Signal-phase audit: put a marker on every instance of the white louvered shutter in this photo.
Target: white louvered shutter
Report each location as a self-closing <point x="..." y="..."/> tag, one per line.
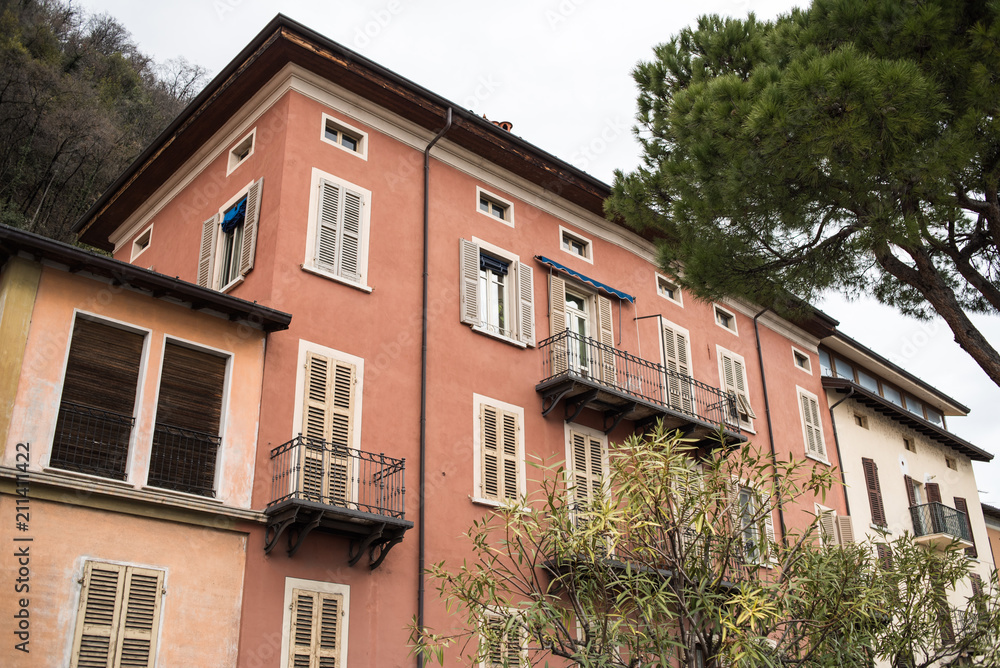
<point x="587" y="467"/>
<point x="675" y="347"/>
<point x="605" y="323"/>
<point x="558" y="351"/>
<point x="339" y="231"/>
<point x="827" y="523"/>
<point x="315" y="637"/>
<point x="845" y="529"/>
<point x="499" y="457"/>
<point x="526" y="302"/>
<point x="249" y="249"/>
<point x="812" y="426"/>
<point x="316" y="416"/>
<point x="733" y="379"/>
<point x="140" y="617"/>
<point x="469" y="286"/>
<point x="341" y="432"/>
<point x="207" y="252"/>
<point x="328" y="226"/>
<point x="350" y="247"/>
<point x="328" y="425"/>
<point x="769" y="539"/>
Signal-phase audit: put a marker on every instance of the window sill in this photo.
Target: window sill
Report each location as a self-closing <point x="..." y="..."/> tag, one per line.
<point x="499" y="337"/>
<point x="161" y="491"/>
<point x="479" y="501"/>
<point x="821" y="460"/>
<point x="232" y="284"/>
<point x="333" y="277"/>
<point x="884" y="530"/>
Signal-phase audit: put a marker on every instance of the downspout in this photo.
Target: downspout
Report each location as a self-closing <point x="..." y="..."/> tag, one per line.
<point x="836" y="443"/>
<point x="423" y="380"/>
<point x="770" y="430"/>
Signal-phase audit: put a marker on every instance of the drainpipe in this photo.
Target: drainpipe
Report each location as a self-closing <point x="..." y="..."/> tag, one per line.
<point x="423" y="380"/>
<point x="770" y="430"/>
<point x="836" y="442"/>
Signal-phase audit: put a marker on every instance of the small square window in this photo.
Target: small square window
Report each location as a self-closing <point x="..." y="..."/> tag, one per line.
<point x="668" y="289"/>
<point x="495" y="209"/>
<point x="577" y="245"/>
<point x="494" y="206"/>
<point x="141" y="243"/>
<point x="861" y="421"/>
<point x="725" y="319"/>
<point x="801" y="360"/>
<point x="909" y="444"/>
<point x="950" y="463"/>
<point x="344" y="136"/>
<point x="242" y="151"/>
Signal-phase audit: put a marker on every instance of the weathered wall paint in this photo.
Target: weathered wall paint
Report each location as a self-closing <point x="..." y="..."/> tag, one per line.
<point x="18" y="285"/>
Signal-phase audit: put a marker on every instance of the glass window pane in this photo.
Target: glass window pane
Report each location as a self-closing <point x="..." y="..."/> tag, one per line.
<point x="484" y="204"/>
<point x="331" y="134"/>
<point x="935" y="417"/>
<point x="914" y="406"/>
<point x="824" y="363"/>
<point x="892" y="394"/>
<point x="349" y="142"/>
<point x="844" y="370"/>
<point x="867" y="382"/>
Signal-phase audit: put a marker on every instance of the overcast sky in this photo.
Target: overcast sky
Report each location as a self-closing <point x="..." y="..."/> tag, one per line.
<point x="559" y="70"/>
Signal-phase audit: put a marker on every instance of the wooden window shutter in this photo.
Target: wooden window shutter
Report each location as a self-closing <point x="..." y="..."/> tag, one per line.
<point x="874" y="492"/>
<point x="911" y="495"/>
<point x="206" y="255"/>
<point x="827" y="525"/>
<point x="768" y="543"/>
<point x="960" y="504"/>
<point x="588" y="466"/>
<point x="328" y="226"/>
<point x="338" y="231"/>
<point x="119" y="616"/>
<point x="102" y="374"/>
<point x="315" y="637"/>
<point x="605" y="322"/>
<point x="884" y="556"/>
<point x="557" y="325"/>
<point x="328" y="426"/>
<point x="813" y="426"/>
<point x="845" y="529"/>
<point x="933" y="492"/>
<point x="469" y="287"/>
<point x="526" y="302"/>
<point x="676" y="358"/>
<point x="503" y="648"/>
<point x="350" y="248"/>
<point x="735" y="385"/>
<point x="250" y="223"/>
<point x="499" y="457"/>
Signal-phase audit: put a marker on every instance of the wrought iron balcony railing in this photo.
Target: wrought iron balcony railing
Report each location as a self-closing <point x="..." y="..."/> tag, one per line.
<point x="183" y="460"/>
<point x="307" y="469"/>
<point x="91" y="440"/>
<point x="572" y="355"/>
<point x="937" y="518"/>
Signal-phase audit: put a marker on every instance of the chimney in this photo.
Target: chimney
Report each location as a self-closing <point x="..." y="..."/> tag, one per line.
<point x="503" y="125"/>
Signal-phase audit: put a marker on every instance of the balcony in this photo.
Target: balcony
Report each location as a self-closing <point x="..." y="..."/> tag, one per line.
<point x="940" y="527"/>
<point x="183" y="460"/>
<point x="580" y="373"/>
<point x="91" y="440"/>
<point x="337" y="490"/>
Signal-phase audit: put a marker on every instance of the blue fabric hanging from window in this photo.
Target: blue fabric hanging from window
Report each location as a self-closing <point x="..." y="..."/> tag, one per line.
<point x="235" y="216"/>
<point x="492" y="264"/>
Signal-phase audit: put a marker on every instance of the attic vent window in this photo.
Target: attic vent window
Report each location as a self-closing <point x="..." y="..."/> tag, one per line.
<point x="344" y="136"/>
<point x="242" y="151"/>
<point x="141" y="243"/>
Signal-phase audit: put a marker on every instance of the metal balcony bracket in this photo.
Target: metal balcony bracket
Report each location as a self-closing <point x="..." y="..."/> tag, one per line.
<point x="303" y="531"/>
<point x="553" y="399"/>
<point x="618" y="415"/>
<point x="358" y="547"/>
<point x="382" y="550"/>
<point x="582" y="401"/>
<point x="275" y="528"/>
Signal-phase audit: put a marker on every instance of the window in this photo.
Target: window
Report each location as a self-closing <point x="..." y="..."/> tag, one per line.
<point x="934" y="417"/>
<point x="141" y="242"/>
<point x="502" y="644"/>
<point x="825" y="363"/>
<point x="587" y="463"/>
<point x="315" y="625"/>
<point x="344" y="137"/>
<point x="498" y="447"/>
<point x="496" y="207"/>
<point x="578" y="315"/>
<point x="892" y="394"/>
<point x="867" y="382"/>
<point x="725" y="319"/>
<point x="575" y="244"/>
<point x="734" y="382"/>
<point x="834" y="529"/>
<point x="914" y="406"/>
<point x="909" y="444"/>
<point x="801" y="360"/>
<point x="752" y="518"/>
<point x="242" y="151"/>
<point x="337" y="241"/>
<point x="676" y="361"/>
<point x="119" y="616"/>
<point x="668" y="289"/>
<point x="861" y="421"/>
<point x="844" y="369"/>
<point x="874" y="492"/>
<point x="497" y="293"/>
<point x="189" y="412"/>
<point x="97" y="407"/>
<point x="229" y="240"/>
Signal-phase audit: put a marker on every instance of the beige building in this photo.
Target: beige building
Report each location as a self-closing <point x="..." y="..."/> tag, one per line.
<point x="992" y="517"/>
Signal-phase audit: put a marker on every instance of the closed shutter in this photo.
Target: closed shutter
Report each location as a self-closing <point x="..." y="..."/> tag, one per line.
<point x="469" y="286"/>
<point x="884" y="556"/>
<point x="338" y="231"/>
<point x="874" y="492"/>
<point x="587" y="466"/>
<point x="734" y="382"/>
<point x="605" y="323"/>
<point x="249" y="248"/>
<point x="526" y="301"/>
<point x="119" y="617"/>
<point x="328" y="426"/>
<point x="315" y="640"/>
<point x="910" y="493"/>
<point x="845" y="529"/>
<point x="206" y="254"/>
<point x="498" y="442"/>
<point x="827" y="525"/>
<point x="503" y="650"/>
<point x="675" y="355"/>
<point x="933" y="492"/>
<point x="812" y="426"/>
<point x="767" y="548"/>
<point x="94" y="427"/>
<point x="192" y="383"/>
<point x="557" y="325"/>
<point x="960" y="504"/>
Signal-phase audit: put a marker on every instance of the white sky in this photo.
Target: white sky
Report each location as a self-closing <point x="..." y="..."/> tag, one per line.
<point x="559" y="70"/>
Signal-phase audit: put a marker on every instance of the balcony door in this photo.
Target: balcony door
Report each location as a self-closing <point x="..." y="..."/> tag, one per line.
<point x="578" y="323"/>
<point x="583" y="337"/>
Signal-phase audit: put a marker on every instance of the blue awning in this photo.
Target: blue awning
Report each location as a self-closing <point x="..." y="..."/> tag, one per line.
<point x="575" y="274"/>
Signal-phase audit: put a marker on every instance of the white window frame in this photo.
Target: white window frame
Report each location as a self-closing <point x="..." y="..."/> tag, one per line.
<point x="234" y="159"/>
<point x="309" y="264"/>
<point x="505" y="204"/>
<point x="219" y="247"/>
<point x="679" y="299"/>
<point x="588" y="245"/>
<point x="796" y="352"/>
<point x="142" y="242"/>
<point x="322" y="588"/>
<point x="513" y="295"/>
<point x="825" y="457"/>
<point x="360" y="136"/>
<point x="767" y="520"/>
<point x="720" y="352"/>
<point x="716" y="310"/>
<point x="478" y="401"/>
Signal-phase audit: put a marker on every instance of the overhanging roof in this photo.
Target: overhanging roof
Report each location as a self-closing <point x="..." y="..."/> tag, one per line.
<point x="900" y="414"/>
<point x="14" y="242"/>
